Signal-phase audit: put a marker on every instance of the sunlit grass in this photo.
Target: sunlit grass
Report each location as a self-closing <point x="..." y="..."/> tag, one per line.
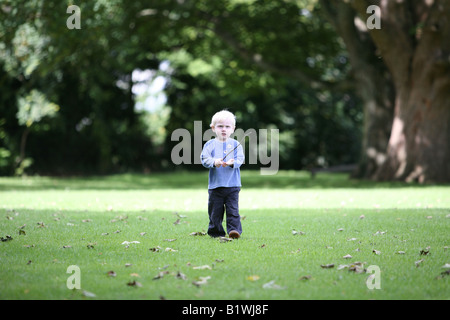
<point x="84" y="222"/>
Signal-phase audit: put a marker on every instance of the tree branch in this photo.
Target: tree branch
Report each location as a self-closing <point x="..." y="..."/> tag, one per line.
<point x="394" y="40"/>
<point x="259" y="61"/>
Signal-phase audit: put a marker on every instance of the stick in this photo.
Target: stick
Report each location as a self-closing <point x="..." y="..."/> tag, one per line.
<point x="239" y="143"/>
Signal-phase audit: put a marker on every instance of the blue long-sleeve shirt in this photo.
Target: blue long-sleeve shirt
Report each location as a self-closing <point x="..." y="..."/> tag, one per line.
<point x="229" y="176"/>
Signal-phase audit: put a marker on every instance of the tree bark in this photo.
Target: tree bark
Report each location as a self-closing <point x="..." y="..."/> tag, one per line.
<point x="373" y="84"/>
<point x="419" y="62"/>
<point x="23" y="144"/>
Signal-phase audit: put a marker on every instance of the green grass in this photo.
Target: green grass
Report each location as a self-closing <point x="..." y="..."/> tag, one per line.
<point x="103" y="212"/>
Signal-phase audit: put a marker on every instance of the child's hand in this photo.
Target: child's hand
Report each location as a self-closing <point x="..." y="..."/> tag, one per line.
<point x="228" y="163"/>
<point x="218" y="163"/>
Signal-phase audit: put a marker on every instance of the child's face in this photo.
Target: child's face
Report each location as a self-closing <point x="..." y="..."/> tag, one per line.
<point x="223" y="129"/>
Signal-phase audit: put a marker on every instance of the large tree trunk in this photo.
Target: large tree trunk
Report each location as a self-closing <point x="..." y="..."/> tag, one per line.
<point x="373" y="85"/>
<point x="419" y="146"/>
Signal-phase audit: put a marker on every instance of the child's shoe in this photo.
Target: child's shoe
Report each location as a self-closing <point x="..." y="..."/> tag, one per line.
<point x="234" y="234"/>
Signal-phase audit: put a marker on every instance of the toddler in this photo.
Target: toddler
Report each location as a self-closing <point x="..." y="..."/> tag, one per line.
<point x="224" y="181"/>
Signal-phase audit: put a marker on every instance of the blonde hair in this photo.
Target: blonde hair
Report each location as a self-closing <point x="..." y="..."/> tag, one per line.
<point x="223" y="115"/>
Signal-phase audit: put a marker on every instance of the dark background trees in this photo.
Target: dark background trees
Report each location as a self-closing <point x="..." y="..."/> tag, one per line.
<point x="304" y="67"/>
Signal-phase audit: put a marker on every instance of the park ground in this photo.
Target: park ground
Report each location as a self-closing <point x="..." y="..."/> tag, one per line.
<point x="142" y="237"/>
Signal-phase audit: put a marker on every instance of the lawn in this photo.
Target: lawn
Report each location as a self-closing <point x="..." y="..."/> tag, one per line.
<point x="302" y="238"/>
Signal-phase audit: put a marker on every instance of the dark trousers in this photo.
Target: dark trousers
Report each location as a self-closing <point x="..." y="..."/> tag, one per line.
<point x="221" y="199"/>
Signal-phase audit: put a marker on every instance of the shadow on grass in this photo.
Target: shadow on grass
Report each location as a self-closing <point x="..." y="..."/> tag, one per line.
<point x="195" y="180"/>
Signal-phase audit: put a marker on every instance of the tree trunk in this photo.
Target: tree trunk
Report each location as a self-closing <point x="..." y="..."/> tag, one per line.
<point x="23" y="144"/>
<point x="419" y="62"/>
<point x="373" y="85"/>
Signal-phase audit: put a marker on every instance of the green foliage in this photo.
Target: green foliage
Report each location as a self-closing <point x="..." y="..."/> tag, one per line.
<point x="33" y="107"/>
<point x="26" y="52"/>
<point x="249" y="56"/>
<point x="4" y="157"/>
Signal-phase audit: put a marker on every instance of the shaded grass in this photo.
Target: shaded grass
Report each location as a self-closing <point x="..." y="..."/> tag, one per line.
<point x="196" y="180"/>
<point x="411" y="219"/>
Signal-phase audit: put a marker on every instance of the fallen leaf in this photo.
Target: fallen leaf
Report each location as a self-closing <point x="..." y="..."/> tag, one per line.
<point x="134" y="283"/>
<point x="347" y="256"/>
<point x="376" y="251"/>
<point x="197" y="234"/>
<point x="130" y="242"/>
<point x="272" y="285"/>
<point x="134" y="275"/>
<point x="425" y="251"/>
<point x="225" y="239"/>
<point x="443" y="274"/>
<point x="327" y="266"/>
<point x="91" y="245"/>
<point x="253" y="278"/>
<point x="204" y="267"/>
<point x="155" y="249"/>
<point x="111" y="273"/>
<point x="202" y="281"/>
<point x="170" y="240"/>
<point x="446" y="266"/>
<point x="295" y="232"/>
<point x="7" y="238"/>
<point x="181" y="276"/>
<point x="160" y="275"/>
<point x="418" y="262"/>
<point x="88" y="294"/>
<point x="171" y="250"/>
<point x="400" y="252"/>
<point x="357" y="267"/>
<point x="305" y="277"/>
